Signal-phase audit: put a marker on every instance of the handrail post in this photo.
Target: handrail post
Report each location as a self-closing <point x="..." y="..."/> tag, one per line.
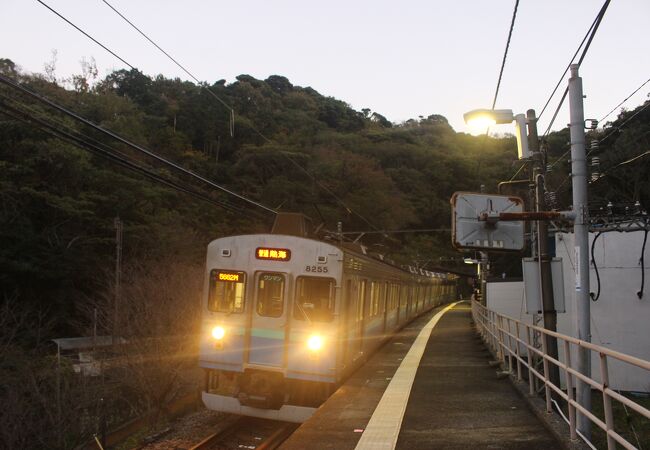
<point x="531" y="376"/>
<point x="569" y="391"/>
<point x="607" y="402"/>
<point x="518" y="354"/>
<point x="501" y="339"/>
<point x="547" y="389"/>
<point x="510" y="352"/>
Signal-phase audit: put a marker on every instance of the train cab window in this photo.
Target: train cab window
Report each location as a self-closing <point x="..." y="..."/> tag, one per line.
<point x="314" y="299"/>
<point x="226" y="293"/>
<point x="270" y="295"/>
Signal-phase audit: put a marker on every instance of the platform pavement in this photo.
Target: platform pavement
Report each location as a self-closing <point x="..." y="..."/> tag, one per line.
<point x="456" y="399"/>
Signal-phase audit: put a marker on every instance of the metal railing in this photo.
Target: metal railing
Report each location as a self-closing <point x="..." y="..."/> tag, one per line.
<point x="513" y="342"/>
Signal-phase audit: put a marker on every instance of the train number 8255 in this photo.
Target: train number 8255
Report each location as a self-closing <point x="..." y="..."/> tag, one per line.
<point x="316" y="269"/>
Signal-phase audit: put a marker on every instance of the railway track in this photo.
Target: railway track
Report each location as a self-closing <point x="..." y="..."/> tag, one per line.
<point x="247" y="433"/>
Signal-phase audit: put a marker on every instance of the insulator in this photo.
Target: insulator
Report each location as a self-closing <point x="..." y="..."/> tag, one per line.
<point x="610" y="208"/>
<point x="549" y="168"/>
<point x="595" y="145"/>
<point x="595" y="176"/>
<point x="637" y="207"/>
<point x="595" y="161"/>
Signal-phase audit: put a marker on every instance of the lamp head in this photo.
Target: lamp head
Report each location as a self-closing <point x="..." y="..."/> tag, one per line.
<point x="487" y="117"/>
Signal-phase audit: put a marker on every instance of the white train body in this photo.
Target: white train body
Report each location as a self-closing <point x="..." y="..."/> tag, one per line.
<point x="286" y="319"/>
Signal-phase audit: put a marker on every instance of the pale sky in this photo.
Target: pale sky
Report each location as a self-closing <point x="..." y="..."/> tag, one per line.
<point x="400" y="59"/>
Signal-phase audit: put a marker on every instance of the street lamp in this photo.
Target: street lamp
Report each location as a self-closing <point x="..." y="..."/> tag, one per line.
<point x="488" y="117"/>
<point x="528" y="148"/>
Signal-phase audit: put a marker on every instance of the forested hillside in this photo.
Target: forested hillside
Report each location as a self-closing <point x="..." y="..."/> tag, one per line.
<point x="282" y="146"/>
<point x="289" y="148"/>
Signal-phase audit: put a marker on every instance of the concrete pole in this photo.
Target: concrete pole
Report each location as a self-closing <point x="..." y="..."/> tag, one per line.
<point x="543" y="258"/>
<point x="581" y="233"/>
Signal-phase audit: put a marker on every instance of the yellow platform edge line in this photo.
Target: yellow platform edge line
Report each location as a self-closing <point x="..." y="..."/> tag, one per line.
<point x="384" y="426"/>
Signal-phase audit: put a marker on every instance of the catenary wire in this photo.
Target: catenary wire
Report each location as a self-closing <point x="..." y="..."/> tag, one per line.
<point x="52" y="104"/>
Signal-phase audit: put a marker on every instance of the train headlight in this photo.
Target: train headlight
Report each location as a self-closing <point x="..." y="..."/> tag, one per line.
<point x="218" y="333"/>
<point x="314" y="343"/>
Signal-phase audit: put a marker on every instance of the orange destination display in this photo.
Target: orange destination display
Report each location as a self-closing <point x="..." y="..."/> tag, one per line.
<point x="229" y="276"/>
<point x="273" y="254"/>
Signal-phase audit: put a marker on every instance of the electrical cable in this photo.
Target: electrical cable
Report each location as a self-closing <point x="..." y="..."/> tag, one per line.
<point x="595" y="297"/>
<point x="230" y="108"/>
<point x="559" y="82"/>
<point x="52" y="104"/>
<point x="618" y="128"/>
<point x="642" y="262"/>
<point x="593" y="29"/>
<point x="348" y="209"/>
<point x="87" y="143"/>
<point x="86" y="34"/>
<point x="505" y="53"/>
<point x="232" y="112"/>
<point x="517" y="172"/>
<point x="624" y="100"/>
<point x="496" y="91"/>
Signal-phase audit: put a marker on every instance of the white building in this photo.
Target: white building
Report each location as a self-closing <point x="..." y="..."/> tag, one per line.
<point x="620" y="320"/>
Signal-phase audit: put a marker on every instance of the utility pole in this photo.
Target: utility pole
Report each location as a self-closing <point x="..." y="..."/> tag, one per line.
<point x="581" y="235"/>
<point x="118" y="276"/>
<point x="545" y="273"/>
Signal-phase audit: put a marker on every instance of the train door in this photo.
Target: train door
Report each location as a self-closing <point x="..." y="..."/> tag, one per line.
<point x="397" y="303"/>
<point x="385" y="296"/>
<point x="269" y="320"/>
<point x="360" y="315"/>
<point x="349" y="330"/>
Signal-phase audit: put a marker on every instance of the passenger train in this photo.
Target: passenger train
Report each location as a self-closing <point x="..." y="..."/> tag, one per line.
<point x="287" y="318"/>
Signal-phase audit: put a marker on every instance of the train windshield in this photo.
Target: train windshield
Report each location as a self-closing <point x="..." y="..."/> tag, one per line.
<point x="226" y="291"/>
<point x="314" y="299"/>
<point x="270" y="295"/>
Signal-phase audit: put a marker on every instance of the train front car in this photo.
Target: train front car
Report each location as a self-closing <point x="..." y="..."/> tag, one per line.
<point x="270" y="320"/>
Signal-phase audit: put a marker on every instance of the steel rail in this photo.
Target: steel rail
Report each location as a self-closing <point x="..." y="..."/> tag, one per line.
<point x="232" y="425"/>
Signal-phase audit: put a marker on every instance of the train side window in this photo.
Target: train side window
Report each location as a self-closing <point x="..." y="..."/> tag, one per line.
<point x="226" y="293"/>
<point x="270" y="295"/>
<point x="314" y="299"/>
<point x="362" y="300"/>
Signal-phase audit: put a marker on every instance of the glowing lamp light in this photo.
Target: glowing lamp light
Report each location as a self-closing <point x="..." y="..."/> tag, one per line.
<point x="315" y="343"/>
<point x="481" y="122"/>
<point x="487" y="117"/>
<point x="218" y="333"/>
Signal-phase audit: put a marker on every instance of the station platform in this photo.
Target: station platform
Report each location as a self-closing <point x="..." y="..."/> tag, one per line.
<point x="428" y="387"/>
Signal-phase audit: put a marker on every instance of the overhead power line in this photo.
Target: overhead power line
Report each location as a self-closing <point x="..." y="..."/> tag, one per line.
<point x="86" y="34"/>
<point x="64" y="133"/>
<point x="505" y="54"/>
<point x="624" y="100"/>
<point x="173" y="165"/>
<point x="618" y="127"/>
<point x="168" y="55"/>
<point x="259" y="133"/>
<point x="496" y="91"/>
<point x="591" y="33"/>
<point x="232" y="111"/>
